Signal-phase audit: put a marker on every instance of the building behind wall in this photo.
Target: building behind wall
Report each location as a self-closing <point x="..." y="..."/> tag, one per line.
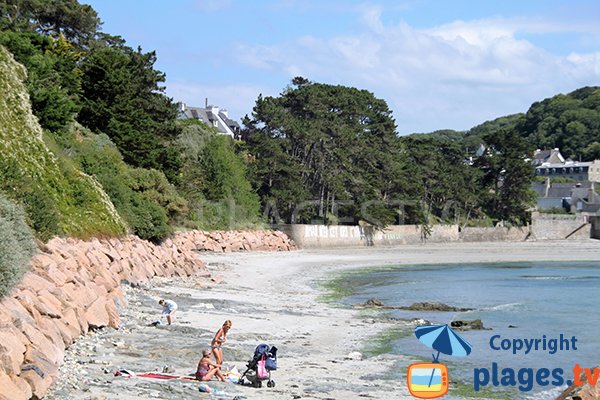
<point x="551" y="164"/>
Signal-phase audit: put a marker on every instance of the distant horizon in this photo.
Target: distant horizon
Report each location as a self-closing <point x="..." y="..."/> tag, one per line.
<point x="439" y="66"/>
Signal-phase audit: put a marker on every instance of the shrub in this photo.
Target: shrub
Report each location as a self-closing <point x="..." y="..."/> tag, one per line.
<point x="149" y="220"/>
<point x="16" y="245"/>
<point x="144" y="198"/>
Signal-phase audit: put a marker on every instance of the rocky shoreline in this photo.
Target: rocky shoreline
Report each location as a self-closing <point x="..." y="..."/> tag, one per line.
<point x="305" y="370"/>
<point x="73" y="287"/>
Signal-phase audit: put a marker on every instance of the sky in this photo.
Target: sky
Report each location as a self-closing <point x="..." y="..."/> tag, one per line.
<point x="439" y="64"/>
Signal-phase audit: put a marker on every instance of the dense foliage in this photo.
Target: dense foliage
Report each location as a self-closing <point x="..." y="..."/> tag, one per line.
<point x="58" y="198"/>
<point x="570" y="122"/>
<point x="78" y="23"/>
<point x="53" y="77"/>
<point x="213" y="179"/>
<point x="16" y="244"/>
<point x="507" y="175"/>
<point x="123" y="98"/>
<point x="445" y="185"/>
<point x="324" y="152"/>
<point x="145" y="199"/>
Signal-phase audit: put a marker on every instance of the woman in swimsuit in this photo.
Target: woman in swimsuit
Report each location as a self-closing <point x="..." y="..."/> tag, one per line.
<point x="218" y="340"/>
<point x="207" y="369"/>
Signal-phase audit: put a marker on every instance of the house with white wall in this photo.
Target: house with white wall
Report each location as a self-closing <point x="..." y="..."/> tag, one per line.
<point x="212" y="116"/>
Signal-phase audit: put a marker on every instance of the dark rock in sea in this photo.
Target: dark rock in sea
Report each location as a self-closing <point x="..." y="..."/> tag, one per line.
<point x="433" y="306"/>
<point x="421" y="306"/>
<point x="468" y="325"/>
<point x="374" y="303"/>
<point x="512" y="326"/>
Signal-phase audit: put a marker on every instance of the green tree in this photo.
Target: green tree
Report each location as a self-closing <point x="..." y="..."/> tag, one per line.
<point x="445" y="184"/>
<point x="570" y="122"/>
<point x="507" y="176"/>
<point x="53" y="78"/>
<point x="123" y="97"/>
<point x="327" y="145"/>
<point x="78" y="23"/>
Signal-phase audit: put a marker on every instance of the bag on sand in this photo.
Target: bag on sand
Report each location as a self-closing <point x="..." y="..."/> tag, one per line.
<point x="233" y="375"/>
<point x="261" y="370"/>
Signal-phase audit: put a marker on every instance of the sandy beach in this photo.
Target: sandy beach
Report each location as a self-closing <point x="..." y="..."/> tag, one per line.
<point x="273" y="298"/>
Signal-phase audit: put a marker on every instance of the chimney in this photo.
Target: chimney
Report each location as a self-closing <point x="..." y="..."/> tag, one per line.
<point x="181" y="107"/>
<point x="206" y="102"/>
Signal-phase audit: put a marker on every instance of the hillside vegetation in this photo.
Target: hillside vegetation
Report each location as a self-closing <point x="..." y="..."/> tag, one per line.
<point x="59" y="199"/>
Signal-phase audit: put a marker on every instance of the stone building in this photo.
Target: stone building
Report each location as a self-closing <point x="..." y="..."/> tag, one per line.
<point x="551" y="164"/>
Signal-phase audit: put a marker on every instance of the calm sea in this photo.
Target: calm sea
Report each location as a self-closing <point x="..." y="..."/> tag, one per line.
<point x="514" y="300"/>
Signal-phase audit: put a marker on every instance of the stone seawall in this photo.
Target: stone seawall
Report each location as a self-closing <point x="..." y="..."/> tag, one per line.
<point x="543" y="227"/>
<point x="495" y="234"/>
<point x="558" y="227"/>
<point x="74" y="286"/>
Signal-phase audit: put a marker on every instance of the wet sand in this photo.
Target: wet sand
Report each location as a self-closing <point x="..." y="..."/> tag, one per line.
<point x="272" y="298"/>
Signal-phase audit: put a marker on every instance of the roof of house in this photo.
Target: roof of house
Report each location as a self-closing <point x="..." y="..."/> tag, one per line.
<point x="547" y="156"/>
<point x="565" y="164"/>
<point x="561" y="190"/>
<point x="218" y="119"/>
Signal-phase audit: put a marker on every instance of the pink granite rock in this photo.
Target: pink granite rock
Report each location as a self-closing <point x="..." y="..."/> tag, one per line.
<point x="10" y="391"/>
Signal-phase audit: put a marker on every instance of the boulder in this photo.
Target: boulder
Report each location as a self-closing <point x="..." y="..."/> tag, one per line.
<point x="47" y="305"/>
<point x="96" y="314"/>
<point x="39" y="380"/>
<point x="71" y="322"/>
<point x="113" y="315"/>
<point x="70" y="265"/>
<point x="6" y="319"/>
<point x="22" y="385"/>
<point x="16" y="310"/>
<point x="51" y="331"/>
<point x="10" y="391"/>
<point x="584" y="392"/>
<point x="12" y="353"/>
<point x="468" y="325"/>
<point x="373" y="303"/>
<point x="35" y="282"/>
<point x="42" y="344"/>
<point x="67" y="333"/>
<point x="52" y="273"/>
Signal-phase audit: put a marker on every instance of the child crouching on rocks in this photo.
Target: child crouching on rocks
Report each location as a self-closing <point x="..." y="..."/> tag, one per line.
<point x="169" y="308"/>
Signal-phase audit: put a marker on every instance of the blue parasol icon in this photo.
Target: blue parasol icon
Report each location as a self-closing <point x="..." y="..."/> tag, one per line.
<point x="443" y="339"/>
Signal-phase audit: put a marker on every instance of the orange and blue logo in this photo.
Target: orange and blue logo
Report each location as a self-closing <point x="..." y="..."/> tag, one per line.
<point x="430" y="380"/>
<point x="427" y="380"/>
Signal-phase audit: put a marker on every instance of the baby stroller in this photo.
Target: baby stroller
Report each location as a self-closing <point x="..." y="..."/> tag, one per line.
<point x="263" y="362"/>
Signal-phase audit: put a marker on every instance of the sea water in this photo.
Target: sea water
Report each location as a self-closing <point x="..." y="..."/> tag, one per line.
<point x="534" y="300"/>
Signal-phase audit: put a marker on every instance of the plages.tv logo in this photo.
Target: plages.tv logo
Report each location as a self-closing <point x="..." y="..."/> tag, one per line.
<point x="430" y="380"/>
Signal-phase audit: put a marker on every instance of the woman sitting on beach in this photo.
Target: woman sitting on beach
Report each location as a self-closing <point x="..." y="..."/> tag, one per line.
<point x="207" y="369"/>
<point x="218" y="340"/>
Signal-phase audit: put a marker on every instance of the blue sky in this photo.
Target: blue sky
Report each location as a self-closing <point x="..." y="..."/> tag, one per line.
<point x="438" y="64"/>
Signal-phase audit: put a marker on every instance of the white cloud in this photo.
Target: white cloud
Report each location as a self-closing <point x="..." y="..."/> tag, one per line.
<point x="452" y="76"/>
